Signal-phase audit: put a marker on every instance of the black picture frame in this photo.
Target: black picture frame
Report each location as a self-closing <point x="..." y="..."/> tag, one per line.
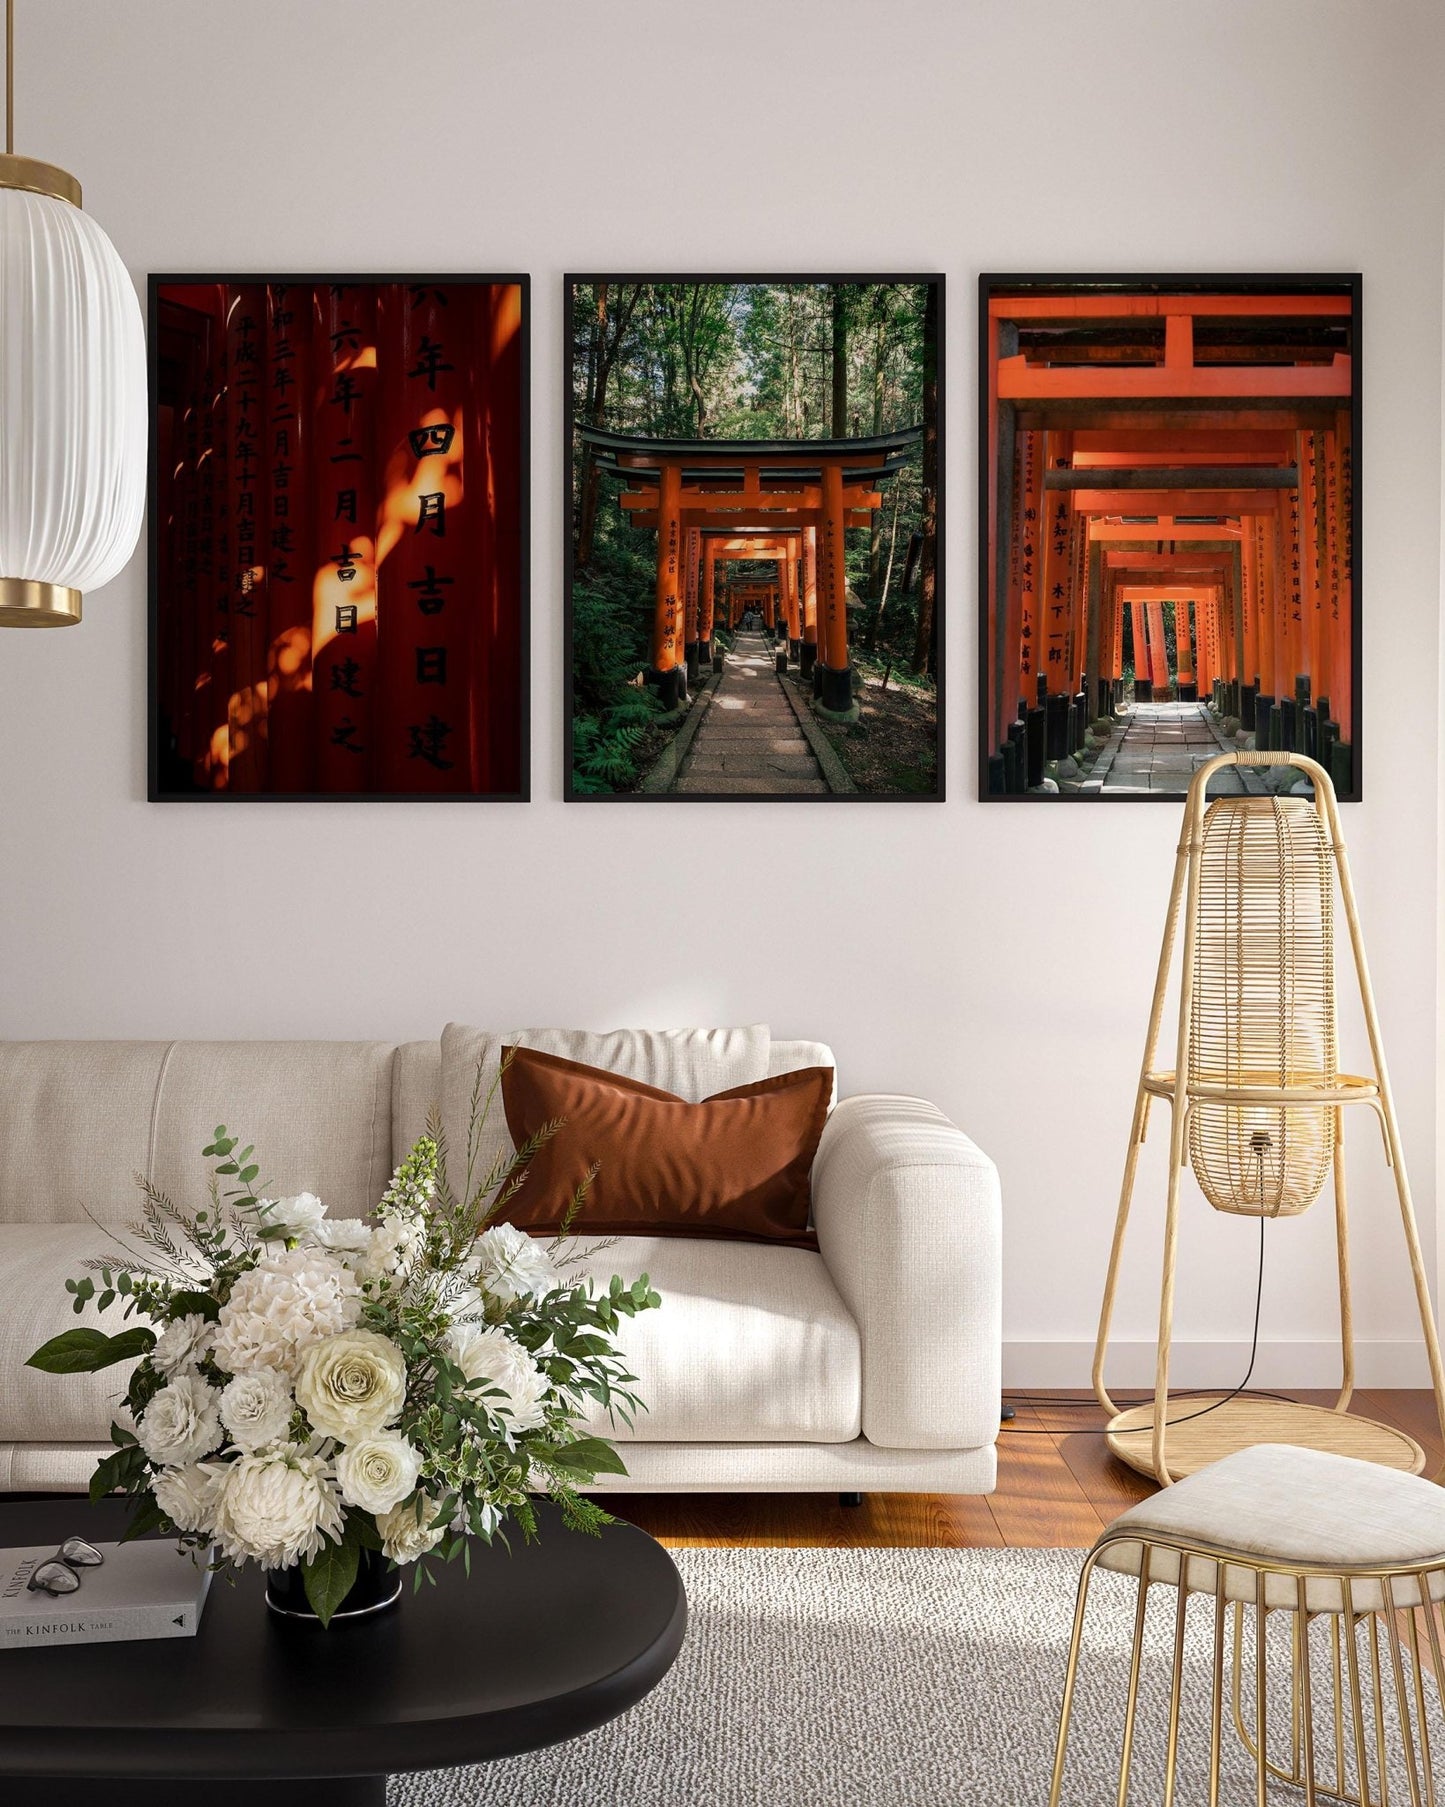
<point x="571" y="279"/>
<point x="156" y="282"/>
<point x="994" y="284"/>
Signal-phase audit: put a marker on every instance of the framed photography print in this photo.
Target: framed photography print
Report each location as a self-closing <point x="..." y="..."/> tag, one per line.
<point x="755" y="600"/>
<point x="338" y="538"/>
<point x="1169" y="508"/>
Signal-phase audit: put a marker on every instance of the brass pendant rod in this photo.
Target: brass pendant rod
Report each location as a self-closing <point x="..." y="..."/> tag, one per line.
<point x="9" y="78"/>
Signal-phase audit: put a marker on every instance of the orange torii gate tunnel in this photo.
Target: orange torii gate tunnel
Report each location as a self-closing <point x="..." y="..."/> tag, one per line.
<point x="1150" y="447"/>
<point x="799" y="497"/>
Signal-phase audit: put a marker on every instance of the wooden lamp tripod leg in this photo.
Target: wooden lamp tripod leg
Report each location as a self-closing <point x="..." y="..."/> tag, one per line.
<point x="1137" y="1132"/>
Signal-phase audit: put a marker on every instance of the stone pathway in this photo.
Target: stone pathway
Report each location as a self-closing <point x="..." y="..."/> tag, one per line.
<point x="1162" y="747"/>
<point x="749" y="743"/>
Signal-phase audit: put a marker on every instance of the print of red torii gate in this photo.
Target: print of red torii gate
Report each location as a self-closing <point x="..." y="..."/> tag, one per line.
<point x="816" y="488"/>
<point x="1144" y="423"/>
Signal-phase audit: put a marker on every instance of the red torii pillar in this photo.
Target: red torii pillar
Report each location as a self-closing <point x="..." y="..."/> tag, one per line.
<point x="833" y="680"/>
<point x="708" y="602"/>
<point x="666" y="674"/>
<point x="692" y="632"/>
<point x="808" y="650"/>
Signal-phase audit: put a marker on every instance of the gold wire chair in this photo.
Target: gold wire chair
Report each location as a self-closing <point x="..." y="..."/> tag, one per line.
<point x="1376" y="1625"/>
<point x="1256" y="1095"/>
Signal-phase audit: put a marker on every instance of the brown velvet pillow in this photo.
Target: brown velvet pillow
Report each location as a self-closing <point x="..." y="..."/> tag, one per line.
<point x="735" y="1166"/>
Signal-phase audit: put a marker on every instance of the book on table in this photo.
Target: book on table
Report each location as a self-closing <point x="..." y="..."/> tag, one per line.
<point x="141" y="1590"/>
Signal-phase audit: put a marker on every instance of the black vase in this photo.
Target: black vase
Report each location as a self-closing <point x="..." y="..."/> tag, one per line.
<point x="377" y="1586"/>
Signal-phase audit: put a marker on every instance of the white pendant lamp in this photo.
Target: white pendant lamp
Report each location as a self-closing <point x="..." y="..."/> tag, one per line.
<point x="72" y="392"/>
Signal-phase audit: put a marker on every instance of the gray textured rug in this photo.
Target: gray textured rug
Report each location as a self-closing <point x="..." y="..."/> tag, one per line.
<point x="882" y="1678"/>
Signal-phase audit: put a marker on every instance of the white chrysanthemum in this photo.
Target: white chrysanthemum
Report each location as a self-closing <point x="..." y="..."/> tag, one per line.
<point x="188" y="1495"/>
<point x="350" y="1386"/>
<point x="289" y="1300"/>
<point x="377" y="1473"/>
<point x="406" y="1531"/>
<point x="181" y="1424"/>
<point x="295" y="1216"/>
<point x="396" y="1245"/>
<point x="348" y="1238"/>
<point x="510" y="1264"/>
<point x="499" y="1360"/>
<point x="256" y="1408"/>
<point x="183" y="1344"/>
<point x="277" y="1508"/>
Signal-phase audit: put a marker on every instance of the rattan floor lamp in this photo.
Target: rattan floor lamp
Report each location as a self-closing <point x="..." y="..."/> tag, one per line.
<point x="1257" y="1099"/>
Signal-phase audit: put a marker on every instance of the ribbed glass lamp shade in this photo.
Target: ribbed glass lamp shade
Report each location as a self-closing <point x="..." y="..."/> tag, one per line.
<point x="72" y="410"/>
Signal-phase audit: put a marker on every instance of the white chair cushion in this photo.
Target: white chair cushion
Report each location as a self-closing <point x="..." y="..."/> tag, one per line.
<point x="752" y="1344"/>
<point x="1303" y="1508"/>
<point x="35" y="1262"/>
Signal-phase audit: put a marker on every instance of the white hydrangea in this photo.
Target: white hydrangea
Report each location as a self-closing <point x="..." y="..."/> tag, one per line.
<point x="289" y="1300"/>
<point x="183" y="1344"/>
<point x="490" y="1355"/>
<point x="256" y="1408"/>
<point x="277" y="1508"/>
<point x="182" y="1423"/>
<point x="377" y="1473"/>
<point x="188" y="1495"/>
<point x="511" y="1265"/>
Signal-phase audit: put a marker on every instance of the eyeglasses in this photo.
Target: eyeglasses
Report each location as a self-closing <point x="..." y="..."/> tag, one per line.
<point x="60" y="1573"/>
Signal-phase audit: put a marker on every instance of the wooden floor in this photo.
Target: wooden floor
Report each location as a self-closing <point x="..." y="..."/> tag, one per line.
<point x="1058" y="1487"/>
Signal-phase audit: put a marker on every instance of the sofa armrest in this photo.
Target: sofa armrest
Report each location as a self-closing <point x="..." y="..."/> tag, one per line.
<point x="908" y="1216"/>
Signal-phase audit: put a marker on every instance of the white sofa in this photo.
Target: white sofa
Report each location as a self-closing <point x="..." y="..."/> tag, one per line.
<point x="870" y="1365"/>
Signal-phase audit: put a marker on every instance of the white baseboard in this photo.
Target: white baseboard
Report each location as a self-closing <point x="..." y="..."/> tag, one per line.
<point x="1214" y="1364"/>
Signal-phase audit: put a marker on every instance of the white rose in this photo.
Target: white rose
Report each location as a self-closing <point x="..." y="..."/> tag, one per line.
<point x="277" y="1508"/>
<point x="256" y="1408"/>
<point x="500" y="1361"/>
<point x="291" y="1298"/>
<point x="188" y="1495"/>
<point x="348" y="1238"/>
<point x="183" y="1344"/>
<point x="293" y="1216"/>
<point x="351" y="1385"/>
<point x="182" y="1423"/>
<point x="377" y="1473"/>
<point x="510" y="1264"/>
<point x="406" y="1530"/>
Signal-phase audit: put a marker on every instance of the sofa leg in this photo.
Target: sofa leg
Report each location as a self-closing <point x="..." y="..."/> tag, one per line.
<point x="850" y="1499"/>
<point x="1006" y="1413"/>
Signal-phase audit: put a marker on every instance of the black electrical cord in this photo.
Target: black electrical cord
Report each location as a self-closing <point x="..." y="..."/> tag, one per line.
<point x="1069" y="1430"/>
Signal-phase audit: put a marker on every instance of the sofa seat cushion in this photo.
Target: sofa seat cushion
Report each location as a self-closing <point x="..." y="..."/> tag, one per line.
<point x="35" y="1262"/>
<point x="752" y="1343"/>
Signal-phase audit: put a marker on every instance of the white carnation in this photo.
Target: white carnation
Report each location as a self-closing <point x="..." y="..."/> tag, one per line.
<point x="499" y="1360"/>
<point x="277" y="1508"/>
<point x="290" y="1299"/>
<point x="294" y="1216"/>
<point x="348" y="1238"/>
<point x="183" y="1344"/>
<point x="406" y="1530"/>
<point x="377" y="1473"/>
<point x="510" y="1264"/>
<point x="349" y="1386"/>
<point x="188" y="1495"/>
<point x="256" y="1408"/>
<point x="182" y="1423"/>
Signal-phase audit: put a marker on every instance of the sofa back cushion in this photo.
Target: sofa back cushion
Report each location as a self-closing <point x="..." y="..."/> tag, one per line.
<point x="79" y="1119"/>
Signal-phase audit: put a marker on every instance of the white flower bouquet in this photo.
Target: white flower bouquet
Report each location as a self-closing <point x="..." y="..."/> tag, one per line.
<point x="310" y="1388"/>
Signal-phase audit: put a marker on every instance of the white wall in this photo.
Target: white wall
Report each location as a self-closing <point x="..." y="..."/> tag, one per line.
<point x="997" y="958"/>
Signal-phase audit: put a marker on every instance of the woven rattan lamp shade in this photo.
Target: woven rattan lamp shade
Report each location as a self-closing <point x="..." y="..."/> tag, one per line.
<point x="1263" y="1013"/>
<point x="1256" y="1098"/>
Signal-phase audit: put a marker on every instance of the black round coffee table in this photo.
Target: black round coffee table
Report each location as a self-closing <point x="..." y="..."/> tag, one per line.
<point x="537" y="1646"/>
